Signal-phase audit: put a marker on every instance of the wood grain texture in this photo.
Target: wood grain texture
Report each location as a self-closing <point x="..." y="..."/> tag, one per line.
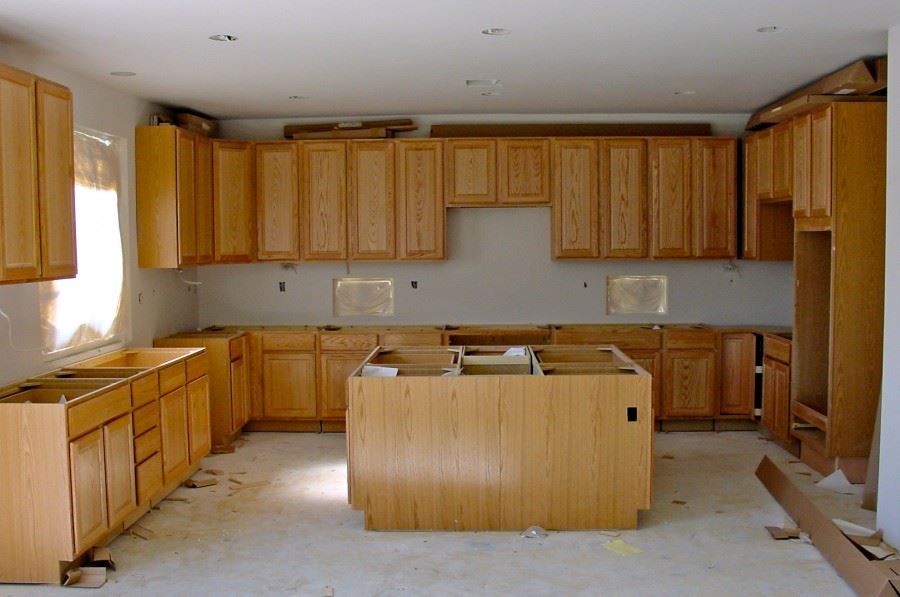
<point x="240" y="394"/>
<point x="199" y="442"/>
<point x="764" y="164"/>
<point x="203" y="196"/>
<point x="782" y="161"/>
<point x="98" y="409"/>
<point x="289" y="386"/>
<point x="523" y="171"/>
<point x="750" y="239"/>
<point x="234" y="222"/>
<point x="420" y="202"/>
<point x="20" y="250"/>
<point x="690" y="384"/>
<point x="334" y="369"/>
<point x="470" y="172"/>
<point x="373" y="209"/>
<point x="89" y="505"/>
<point x="812" y="319"/>
<point x="56" y="185"/>
<point x="714" y="198"/>
<point x="801" y="145"/>
<point x="118" y="448"/>
<point x="624" y="208"/>
<point x="575" y="229"/>
<point x="174" y="428"/>
<point x="277" y="202"/>
<point x="670" y="197"/>
<point x="185" y="177"/>
<point x="820" y="163"/>
<point x="157" y="196"/>
<point x="323" y="192"/>
<point x="738" y="374"/>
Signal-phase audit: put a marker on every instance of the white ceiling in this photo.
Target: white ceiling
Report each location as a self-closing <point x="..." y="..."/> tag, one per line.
<point x="413" y="56"/>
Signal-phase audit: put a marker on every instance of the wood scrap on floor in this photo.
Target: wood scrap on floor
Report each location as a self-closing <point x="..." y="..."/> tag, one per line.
<point x="782" y="533"/>
<point x="196" y="483"/>
<point x="214" y="471"/>
<point x="176" y="498"/>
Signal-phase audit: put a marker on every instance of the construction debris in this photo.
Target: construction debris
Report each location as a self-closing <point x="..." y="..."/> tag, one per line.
<point x="214" y="471"/>
<point x="534" y="532"/>
<point x="621" y="547"/>
<point x="195" y="483"/>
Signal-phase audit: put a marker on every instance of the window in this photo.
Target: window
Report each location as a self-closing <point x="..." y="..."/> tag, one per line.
<point x="90" y="310"/>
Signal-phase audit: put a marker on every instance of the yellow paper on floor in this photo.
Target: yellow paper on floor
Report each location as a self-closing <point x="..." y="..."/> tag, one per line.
<point x="620" y="547"/>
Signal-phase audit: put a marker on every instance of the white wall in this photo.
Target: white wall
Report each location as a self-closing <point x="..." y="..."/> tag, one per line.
<point x="499" y="268"/>
<point x="889" y="475"/>
<point x="166" y="304"/>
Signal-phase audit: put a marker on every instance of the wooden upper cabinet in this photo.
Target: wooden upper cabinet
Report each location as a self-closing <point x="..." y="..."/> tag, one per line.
<point x="203" y="199"/>
<point x="235" y="213"/>
<point x="623" y="198"/>
<point x="372" y="200"/>
<point x="670" y="197"/>
<point x="749" y="246"/>
<point x="764" y="147"/>
<point x="277" y="201"/>
<point x="56" y="186"/>
<point x="782" y="161"/>
<point x="420" y="202"/>
<point x="575" y="229"/>
<point x="802" y="149"/>
<point x="20" y="257"/>
<point x="187" y="205"/>
<point x="523" y="171"/>
<point x="470" y="171"/>
<point x="820" y="163"/>
<point x="714" y="198"/>
<point x="323" y="184"/>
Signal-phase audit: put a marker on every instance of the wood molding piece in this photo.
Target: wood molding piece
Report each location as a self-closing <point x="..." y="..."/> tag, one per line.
<point x="578" y="129"/>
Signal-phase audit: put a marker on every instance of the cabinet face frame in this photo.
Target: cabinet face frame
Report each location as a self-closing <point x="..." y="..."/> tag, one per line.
<point x="623" y="198"/>
<point x="420" y="202"/>
<point x="523" y="171"/>
<point x="575" y="231"/>
<point x="470" y="172"/>
<point x="372" y="199"/>
<point x="323" y="200"/>
<point x="277" y="201"/>
<point x="750" y="242"/>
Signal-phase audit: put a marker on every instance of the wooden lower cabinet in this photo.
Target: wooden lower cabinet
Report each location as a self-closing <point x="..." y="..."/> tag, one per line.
<point x="89" y="507"/>
<point x="738" y="366"/>
<point x="240" y="395"/>
<point x="651" y="360"/>
<point x="118" y="447"/>
<point x="174" y="428"/>
<point x="777" y="398"/>
<point x="198" y="418"/>
<point x="334" y="369"/>
<point x="689" y="388"/>
<point x="289" y="385"/>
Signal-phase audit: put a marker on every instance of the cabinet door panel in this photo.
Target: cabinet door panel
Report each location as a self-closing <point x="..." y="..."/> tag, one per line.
<point x="420" y="200"/>
<point x="174" y="429"/>
<point x="289" y="386"/>
<point x="88" y="489"/>
<point x="802" y="148"/>
<point x="764" y="164"/>
<point x="187" y="205"/>
<point x="623" y="197"/>
<point x="323" y="183"/>
<point x="782" y="160"/>
<point x="750" y="247"/>
<point x="235" y="214"/>
<point x="277" y="202"/>
<point x="670" y="197"/>
<point x="199" y="441"/>
<point x="470" y="173"/>
<point x="523" y="171"/>
<point x="782" y="387"/>
<point x="575" y="202"/>
<point x="372" y="205"/>
<point x="689" y="387"/>
<point x="19" y="237"/>
<point x="203" y="199"/>
<point x="714" y="201"/>
<point x="240" y="396"/>
<point x="652" y="362"/>
<point x="738" y="374"/>
<point x="769" y="394"/>
<point x="334" y="369"/>
<point x="820" y="164"/>
<point x="120" y="487"/>
<point x="56" y="167"/>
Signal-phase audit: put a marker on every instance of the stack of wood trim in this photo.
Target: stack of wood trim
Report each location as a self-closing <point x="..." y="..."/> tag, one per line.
<point x="368" y="129"/>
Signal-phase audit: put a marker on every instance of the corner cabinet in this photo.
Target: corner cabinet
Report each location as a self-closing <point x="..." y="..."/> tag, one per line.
<point x="420" y="203"/>
<point x="37" y="180"/>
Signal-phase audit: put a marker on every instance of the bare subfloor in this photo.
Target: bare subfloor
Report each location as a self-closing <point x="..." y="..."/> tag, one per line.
<point x="297" y="535"/>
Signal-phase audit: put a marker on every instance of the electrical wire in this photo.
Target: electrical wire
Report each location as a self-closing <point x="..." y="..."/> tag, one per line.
<point x="10" y="333"/>
<point x="188" y="282"/>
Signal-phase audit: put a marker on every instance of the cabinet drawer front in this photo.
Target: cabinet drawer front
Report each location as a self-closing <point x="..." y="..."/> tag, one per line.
<point x="99" y="410"/>
<point x="171" y="378"/>
<point x="149" y="477"/>
<point x="348" y="341"/>
<point x="146" y="417"/>
<point x="197" y="366"/>
<point x="777" y="348"/>
<point x="288" y="341"/>
<point x="146" y="445"/>
<point x="144" y="390"/>
<point x="689" y="339"/>
<point x="236" y="348"/>
<point x="412" y="339"/>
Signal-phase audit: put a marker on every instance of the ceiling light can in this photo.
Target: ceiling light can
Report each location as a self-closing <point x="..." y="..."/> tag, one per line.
<point x="770" y="29"/>
<point x="122" y="73"/>
<point x="495" y="31"/>
<point x="223" y="37"/>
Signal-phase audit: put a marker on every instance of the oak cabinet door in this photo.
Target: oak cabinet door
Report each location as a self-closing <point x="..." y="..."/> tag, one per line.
<point x="89" y="506"/>
<point x="277" y="202"/>
<point x="623" y="197"/>
<point x="203" y="199"/>
<point x="575" y="206"/>
<point x="782" y="161"/>
<point x="769" y="394"/>
<point x="782" y="390"/>
<point x="420" y="200"/>
<point x="764" y="162"/>
<point x="240" y="394"/>
<point x="334" y="369"/>
<point x="199" y="440"/>
<point x="738" y="374"/>
<point x="372" y="200"/>
<point x="173" y="418"/>
<point x="820" y="163"/>
<point x="523" y="171"/>
<point x="651" y="361"/>
<point x="714" y="198"/>
<point x="323" y="184"/>
<point x="802" y="149"/>
<point x="56" y="185"/>
<point x="689" y="386"/>
<point x="470" y="171"/>
<point x="118" y="444"/>
<point x="20" y="250"/>
<point x="234" y="211"/>
<point x="289" y="386"/>
<point x="750" y="245"/>
<point x="670" y="197"/>
<point x="187" y="204"/>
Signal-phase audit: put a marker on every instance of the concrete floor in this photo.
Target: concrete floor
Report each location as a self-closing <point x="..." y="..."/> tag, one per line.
<point x="299" y="536"/>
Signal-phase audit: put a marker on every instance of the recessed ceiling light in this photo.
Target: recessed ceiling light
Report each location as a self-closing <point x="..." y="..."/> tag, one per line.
<point x="297" y="97"/>
<point x="684" y="92"/>
<point x="122" y="73"/>
<point x="482" y="82"/>
<point x="495" y="31"/>
<point x="223" y="37"/>
<point x="490" y="93"/>
<point x="770" y="29"/>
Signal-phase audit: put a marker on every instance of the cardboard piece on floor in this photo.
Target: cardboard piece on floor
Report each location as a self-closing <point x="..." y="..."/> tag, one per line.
<point x="621" y="547"/>
<point x="87" y="577"/>
<point x="780" y="534"/>
<point x="869" y="541"/>
<point x="102" y="556"/>
<point x="870" y="491"/>
<point x="838" y="483"/>
<point x="214" y="471"/>
<point x="863" y="576"/>
<point x="195" y="483"/>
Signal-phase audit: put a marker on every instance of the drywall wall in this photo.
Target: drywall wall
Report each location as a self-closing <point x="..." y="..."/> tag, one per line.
<point x="499" y="268"/>
<point x="889" y="475"/>
<point x="166" y="305"/>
